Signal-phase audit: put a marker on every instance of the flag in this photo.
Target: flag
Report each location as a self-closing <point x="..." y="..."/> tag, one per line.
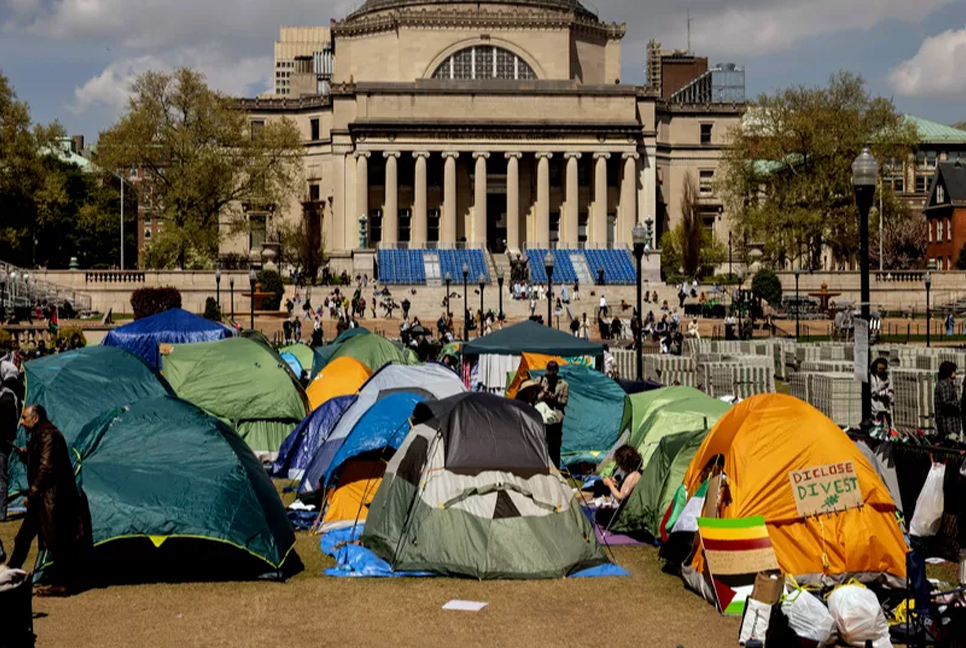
<point x="735" y="551"/>
<point x="53" y="325"/>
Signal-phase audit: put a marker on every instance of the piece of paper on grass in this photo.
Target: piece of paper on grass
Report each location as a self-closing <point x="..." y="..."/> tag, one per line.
<point x="465" y="606"/>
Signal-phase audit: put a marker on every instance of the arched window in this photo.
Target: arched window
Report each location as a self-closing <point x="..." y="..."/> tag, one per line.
<point x="485" y="62"/>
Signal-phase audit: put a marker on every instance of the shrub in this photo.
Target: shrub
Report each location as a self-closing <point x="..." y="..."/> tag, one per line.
<point x="271" y="282"/>
<point x="151" y="301"/>
<point x="71" y="337"/>
<point x="766" y="285"/>
<point x="6" y="340"/>
<point x="725" y="279"/>
<point x="212" y="311"/>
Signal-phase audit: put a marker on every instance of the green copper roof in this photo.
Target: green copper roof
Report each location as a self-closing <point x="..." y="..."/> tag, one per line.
<point x="934" y="133"/>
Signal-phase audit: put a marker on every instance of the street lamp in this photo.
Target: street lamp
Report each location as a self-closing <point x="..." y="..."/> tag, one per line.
<point x="251" y="281"/>
<point x="466" y="306"/>
<point x="218" y="285"/>
<point x="482" y="281"/>
<point x="231" y="283"/>
<point x="928" y="311"/>
<point x="448" y="279"/>
<point x="499" y="282"/>
<point x="639" y="236"/>
<point x="798" y="307"/>
<point x="548" y="262"/>
<point x="3" y="295"/>
<point x="865" y="171"/>
<point x="729" y="256"/>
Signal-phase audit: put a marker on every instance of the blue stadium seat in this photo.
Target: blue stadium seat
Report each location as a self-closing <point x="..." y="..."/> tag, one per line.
<point x="618" y="266"/>
<point x="563" y="268"/>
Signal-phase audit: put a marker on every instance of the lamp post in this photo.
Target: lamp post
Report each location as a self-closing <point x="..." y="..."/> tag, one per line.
<point x="639" y="236"/>
<point x="3" y="295"/>
<point x="798" y="307"/>
<point x="251" y="281"/>
<point x="548" y="262"/>
<point x="499" y="282"/>
<point x="231" y="284"/>
<point x="482" y="282"/>
<point x="448" y="279"/>
<point x="928" y="311"/>
<point x="729" y="255"/>
<point x="466" y="306"/>
<point x="218" y="286"/>
<point x="865" y="171"/>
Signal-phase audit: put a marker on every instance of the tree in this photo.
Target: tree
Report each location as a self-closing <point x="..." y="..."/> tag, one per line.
<point x="690" y="247"/>
<point x="203" y="159"/>
<point x="904" y="236"/>
<point x="766" y="285"/>
<point x="303" y="246"/>
<point x="786" y="177"/>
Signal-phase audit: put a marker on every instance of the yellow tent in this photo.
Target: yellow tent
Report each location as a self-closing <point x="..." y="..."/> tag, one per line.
<point x="759" y="444"/>
<point x="341" y="377"/>
<point x="530" y="362"/>
<point x="348" y="502"/>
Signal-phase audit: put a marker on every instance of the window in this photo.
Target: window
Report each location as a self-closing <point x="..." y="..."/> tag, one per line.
<point x="257" y="231"/>
<point x="706" y="183"/>
<point x="258" y="127"/>
<point x="375" y="226"/>
<point x="134" y="173"/>
<point x="147" y="233"/>
<point x="940" y="194"/>
<point x="484" y="62"/>
<point x="932" y="226"/>
<point x="949" y="230"/>
<point x="921" y="183"/>
<point x="432" y="226"/>
<point x="313" y="192"/>
<point x="898" y="184"/>
<point x="706" y="133"/>
<point x="314" y="127"/>
<point x="931" y="159"/>
<point x="405" y="225"/>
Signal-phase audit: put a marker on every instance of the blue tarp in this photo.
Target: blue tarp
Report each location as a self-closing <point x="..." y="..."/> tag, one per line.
<point x="176" y="326"/>
<point x="292" y="362"/>
<point x="355" y="561"/>
<point x="301" y="445"/>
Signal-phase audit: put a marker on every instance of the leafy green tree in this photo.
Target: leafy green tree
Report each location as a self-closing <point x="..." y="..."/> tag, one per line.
<point x="203" y="159"/>
<point x="766" y="285"/>
<point x="786" y="177"/>
<point x="690" y="247"/>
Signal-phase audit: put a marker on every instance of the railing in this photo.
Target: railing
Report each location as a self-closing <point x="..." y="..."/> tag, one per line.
<point x="114" y="276"/>
<point x="19" y="290"/>
<point x="897" y="276"/>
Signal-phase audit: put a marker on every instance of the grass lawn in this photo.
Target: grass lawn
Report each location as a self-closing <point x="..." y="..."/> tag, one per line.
<point x="649" y="608"/>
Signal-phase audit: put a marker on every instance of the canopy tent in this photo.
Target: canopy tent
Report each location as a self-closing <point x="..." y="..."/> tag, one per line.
<point x="301" y="445"/>
<point x="303" y="353"/>
<point x="471" y="492"/>
<point x="377" y="434"/>
<point x="431" y="381"/>
<point x="161" y="475"/>
<point x="530" y="337"/>
<point x="176" y="326"/>
<point x="240" y="381"/>
<point x="757" y="444"/>
<point x="530" y="362"/>
<point x="340" y="377"/>
<point x="77" y="386"/>
<point x="596" y="414"/>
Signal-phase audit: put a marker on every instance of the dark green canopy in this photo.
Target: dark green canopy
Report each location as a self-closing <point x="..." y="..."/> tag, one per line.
<point x="530" y="337"/>
<point x="162" y="472"/>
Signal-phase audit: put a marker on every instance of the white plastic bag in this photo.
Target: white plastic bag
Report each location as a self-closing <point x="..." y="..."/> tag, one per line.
<point x="754" y="625"/>
<point x="929" y="506"/>
<point x="807" y="616"/>
<point x="859" y="617"/>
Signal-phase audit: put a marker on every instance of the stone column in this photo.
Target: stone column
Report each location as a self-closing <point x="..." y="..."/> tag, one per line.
<point x="479" y="205"/>
<point x="390" y="215"/>
<point x="598" y="221"/>
<point x="362" y="189"/>
<point x="420" y="225"/>
<point x="628" y="212"/>
<point x="513" y="201"/>
<point x="569" y="229"/>
<point x="543" y="200"/>
<point x="339" y="237"/>
<point x="448" y="227"/>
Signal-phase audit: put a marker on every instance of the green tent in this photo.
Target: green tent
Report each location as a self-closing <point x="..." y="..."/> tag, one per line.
<point x="471" y="492"/>
<point x="242" y="382"/>
<point x="597" y="413"/>
<point x="530" y="337"/>
<point x="302" y="352"/>
<point x="77" y="386"/>
<point x="161" y="475"/>
<point x="662" y="476"/>
<point x="374" y="351"/>
<point x="322" y="356"/>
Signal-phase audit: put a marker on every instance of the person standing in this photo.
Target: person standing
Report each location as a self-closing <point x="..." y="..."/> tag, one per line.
<point x="406" y="305"/>
<point x="9" y="416"/>
<point x="555" y="392"/>
<point x="603" y="306"/>
<point x="56" y="510"/>
<point x="882" y="394"/>
<point x="950" y="325"/>
<point x="949" y="416"/>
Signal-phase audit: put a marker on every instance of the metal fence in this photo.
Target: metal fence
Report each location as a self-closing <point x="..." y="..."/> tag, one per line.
<point x="19" y="290"/>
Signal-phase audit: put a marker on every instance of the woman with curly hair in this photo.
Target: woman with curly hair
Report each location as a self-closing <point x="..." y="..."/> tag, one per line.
<point x="629" y="461"/>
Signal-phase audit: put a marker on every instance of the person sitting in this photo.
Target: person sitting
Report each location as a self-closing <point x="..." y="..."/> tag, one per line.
<point x="630" y="464"/>
<point x="693" y="329"/>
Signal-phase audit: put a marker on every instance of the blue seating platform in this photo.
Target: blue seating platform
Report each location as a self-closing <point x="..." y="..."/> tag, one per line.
<point x="408" y="266"/>
<point x="617" y="264"/>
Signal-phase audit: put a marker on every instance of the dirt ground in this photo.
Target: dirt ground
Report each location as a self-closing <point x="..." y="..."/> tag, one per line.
<point x="649" y="608"/>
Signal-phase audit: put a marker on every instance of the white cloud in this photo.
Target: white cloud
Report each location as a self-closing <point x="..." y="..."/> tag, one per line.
<point x="937" y="68"/>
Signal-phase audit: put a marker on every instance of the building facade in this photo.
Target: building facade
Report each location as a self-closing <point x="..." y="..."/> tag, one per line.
<point x="945" y="212"/>
<point x="500" y="125"/>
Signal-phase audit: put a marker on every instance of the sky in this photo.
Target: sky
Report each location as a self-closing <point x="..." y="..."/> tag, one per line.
<point x="74" y="60"/>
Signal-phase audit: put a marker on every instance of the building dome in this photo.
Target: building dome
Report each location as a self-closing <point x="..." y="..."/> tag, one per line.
<point x="371" y="6"/>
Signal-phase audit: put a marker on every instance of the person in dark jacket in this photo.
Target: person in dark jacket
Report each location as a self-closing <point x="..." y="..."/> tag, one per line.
<point x="56" y="511"/>
<point x="949" y="422"/>
<point x="10" y="379"/>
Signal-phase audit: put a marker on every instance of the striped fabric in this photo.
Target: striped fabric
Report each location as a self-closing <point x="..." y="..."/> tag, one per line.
<point x="735" y="551"/>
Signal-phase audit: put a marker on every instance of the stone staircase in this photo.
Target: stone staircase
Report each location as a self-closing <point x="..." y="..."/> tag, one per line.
<point x="582" y="269"/>
<point x="433" y="274"/>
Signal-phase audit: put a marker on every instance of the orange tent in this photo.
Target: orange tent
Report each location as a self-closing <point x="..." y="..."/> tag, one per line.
<point x="341" y="377"/>
<point x="348" y="502"/>
<point x="530" y="362"/>
<point x="758" y="443"/>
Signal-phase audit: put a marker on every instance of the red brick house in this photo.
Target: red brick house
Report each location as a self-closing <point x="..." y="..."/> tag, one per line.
<point x="945" y="213"/>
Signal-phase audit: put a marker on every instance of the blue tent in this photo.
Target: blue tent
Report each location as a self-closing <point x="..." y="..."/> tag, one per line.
<point x="301" y="445"/>
<point x="176" y="326"/>
<point x="292" y="362"/>
<point x="384" y="425"/>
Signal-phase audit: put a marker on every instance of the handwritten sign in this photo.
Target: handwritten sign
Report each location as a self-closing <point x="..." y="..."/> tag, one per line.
<point x="825" y="489"/>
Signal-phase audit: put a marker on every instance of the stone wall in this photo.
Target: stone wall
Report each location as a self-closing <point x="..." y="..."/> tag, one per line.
<point x="892" y="291"/>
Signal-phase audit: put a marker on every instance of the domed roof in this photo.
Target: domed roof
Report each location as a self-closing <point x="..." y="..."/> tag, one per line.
<point x="560" y="5"/>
